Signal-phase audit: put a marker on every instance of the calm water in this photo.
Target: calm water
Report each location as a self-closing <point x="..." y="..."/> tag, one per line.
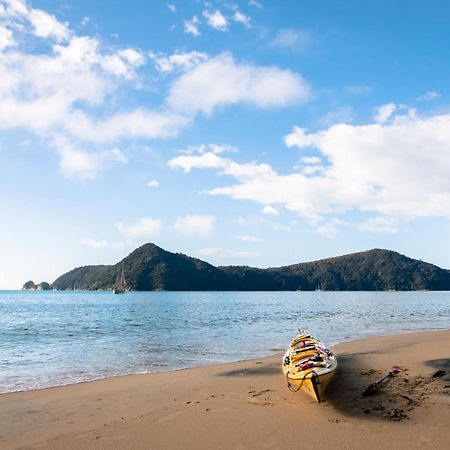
<point x="53" y="338"/>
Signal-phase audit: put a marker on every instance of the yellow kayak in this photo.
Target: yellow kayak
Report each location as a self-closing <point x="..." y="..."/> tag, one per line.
<point x="308" y="365"/>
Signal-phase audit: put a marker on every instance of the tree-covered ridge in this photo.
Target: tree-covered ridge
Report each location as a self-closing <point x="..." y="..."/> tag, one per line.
<point x="149" y="267"/>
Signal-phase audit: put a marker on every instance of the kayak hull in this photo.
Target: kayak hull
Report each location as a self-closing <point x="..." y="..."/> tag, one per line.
<point x="309" y="366"/>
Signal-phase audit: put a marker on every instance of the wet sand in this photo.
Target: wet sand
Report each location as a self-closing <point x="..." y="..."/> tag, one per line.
<point x="246" y="405"/>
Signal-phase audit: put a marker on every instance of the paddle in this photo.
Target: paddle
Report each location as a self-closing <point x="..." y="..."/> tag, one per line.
<point x="371" y="388"/>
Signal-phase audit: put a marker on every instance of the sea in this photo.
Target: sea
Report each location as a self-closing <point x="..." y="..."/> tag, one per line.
<point x="52" y="338"/>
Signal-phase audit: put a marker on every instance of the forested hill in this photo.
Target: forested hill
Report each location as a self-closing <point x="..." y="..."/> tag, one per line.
<point x="150" y="268"/>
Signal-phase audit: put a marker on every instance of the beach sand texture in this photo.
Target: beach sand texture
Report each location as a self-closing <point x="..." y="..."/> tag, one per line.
<point x="246" y="405"/>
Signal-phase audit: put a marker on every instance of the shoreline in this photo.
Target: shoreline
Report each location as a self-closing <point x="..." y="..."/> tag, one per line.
<point x="245" y="404"/>
<point x="274" y="353"/>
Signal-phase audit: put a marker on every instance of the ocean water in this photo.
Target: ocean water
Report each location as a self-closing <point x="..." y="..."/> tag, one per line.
<point x="55" y="338"/>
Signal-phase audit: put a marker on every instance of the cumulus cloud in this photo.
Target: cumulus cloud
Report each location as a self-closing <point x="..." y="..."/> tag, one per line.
<point x="57" y="91"/>
<point x="208" y="148"/>
<point x="194" y="225"/>
<point x="311" y="160"/>
<point x="180" y="61"/>
<point x="255" y="4"/>
<point x="223" y="252"/>
<point x="384" y="112"/>
<point x="222" y="81"/>
<point x="240" y="17"/>
<point x="118" y="155"/>
<point x="246" y="171"/>
<point x="153" y="184"/>
<point x="102" y="244"/>
<point x="191" y="26"/>
<point x="93" y="243"/>
<point x="379" y="225"/>
<point x="63" y="88"/>
<point x="215" y="19"/>
<point x="43" y="25"/>
<point x="144" y="228"/>
<point x="81" y="164"/>
<point x="398" y="169"/>
<point x="428" y="96"/>
<point x="6" y="38"/>
<point x="270" y="210"/>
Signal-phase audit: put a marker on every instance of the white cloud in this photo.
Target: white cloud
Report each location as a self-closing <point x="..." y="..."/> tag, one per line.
<point x="216" y="20"/>
<point x="311" y="160"/>
<point x="46" y="25"/>
<point x="312" y="170"/>
<point x="153" y="184"/>
<point x="223" y="252"/>
<point x="222" y="81"/>
<point x="255" y="4"/>
<point x="379" y="225"/>
<point x="172" y="7"/>
<point x="247" y="171"/>
<point x="118" y="155"/>
<point x="384" y="112"/>
<point x="326" y="229"/>
<point x="281" y="227"/>
<point x="103" y="244"/>
<point x="93" y="243"/>
<point x="6" y="38"/>
<point x="340" y="114"/>
<point x="129" y="125"/>
<point x="270" y="210"/>
<point x="178" y="61"/>
<point x="191" y="26"/>
<point x="43" y="25"/>
<point x="428" y="96"/>
<point x="194" y="225"/>
<point x="398" y="169"/>
<point x="81" y="164"/>
<point x="293" y="39"/>
<point x="58" y="91"/>
<point x="144" y="228"/>
<point x="246" y="238"/>
<point x="201" y="149"/>
<point x="64" y="88"/>
<point x="242" y="18"/>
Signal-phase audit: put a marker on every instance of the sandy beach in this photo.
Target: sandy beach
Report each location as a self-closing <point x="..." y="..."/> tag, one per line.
<point x="246" y="405"/>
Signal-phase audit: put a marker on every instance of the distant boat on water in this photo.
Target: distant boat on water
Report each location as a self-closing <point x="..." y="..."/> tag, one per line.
<point x="121" y="285"/>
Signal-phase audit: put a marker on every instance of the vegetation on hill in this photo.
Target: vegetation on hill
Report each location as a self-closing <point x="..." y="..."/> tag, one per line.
<point x="30" y="286"/>
<point x="151" y="268"/>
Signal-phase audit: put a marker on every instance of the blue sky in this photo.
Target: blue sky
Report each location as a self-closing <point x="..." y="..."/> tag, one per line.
<point x="255" y="132"/>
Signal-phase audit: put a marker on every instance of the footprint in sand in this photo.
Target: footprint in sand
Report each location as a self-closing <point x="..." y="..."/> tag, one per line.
<point x="425" y="441"/>
<point x="169" y="417"/>
<point x="112" y="438"/>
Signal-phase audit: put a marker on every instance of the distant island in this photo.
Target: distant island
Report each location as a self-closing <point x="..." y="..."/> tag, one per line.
<point x="151" y="268"/>
<point x="30" y="286"/>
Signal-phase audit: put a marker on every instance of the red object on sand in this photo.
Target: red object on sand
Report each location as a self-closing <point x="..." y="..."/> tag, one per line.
<point x="373" y="387"/>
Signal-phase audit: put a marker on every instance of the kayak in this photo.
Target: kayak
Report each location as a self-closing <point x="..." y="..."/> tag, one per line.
<point x="308" y="366"/>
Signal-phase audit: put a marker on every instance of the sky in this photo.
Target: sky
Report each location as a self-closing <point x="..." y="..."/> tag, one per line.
<point x="259" y="133"/>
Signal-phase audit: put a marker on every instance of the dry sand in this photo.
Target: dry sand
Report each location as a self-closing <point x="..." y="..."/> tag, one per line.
<point x="246" y="405"/>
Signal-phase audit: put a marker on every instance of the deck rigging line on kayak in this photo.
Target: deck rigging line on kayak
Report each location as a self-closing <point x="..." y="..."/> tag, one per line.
<point x="302" y="381"/>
